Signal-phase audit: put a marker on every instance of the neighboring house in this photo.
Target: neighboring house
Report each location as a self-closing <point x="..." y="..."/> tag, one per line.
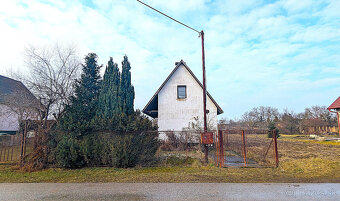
<point x="178" y="103"/>
<point x="335" y="107"/>
<point x="17" y="103"/>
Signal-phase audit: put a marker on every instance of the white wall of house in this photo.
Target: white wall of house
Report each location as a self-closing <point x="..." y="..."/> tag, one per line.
<point x="8" y="119"/>
<point x="176" y="114"/>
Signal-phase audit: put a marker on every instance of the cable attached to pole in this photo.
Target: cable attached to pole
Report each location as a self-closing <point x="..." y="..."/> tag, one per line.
<point x="169" y="17"/>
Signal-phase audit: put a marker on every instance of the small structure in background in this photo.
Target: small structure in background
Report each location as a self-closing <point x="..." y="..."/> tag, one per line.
<point x="335" y="107"/>
<point x="17" y="104"/>
<point x="177" y="104"/>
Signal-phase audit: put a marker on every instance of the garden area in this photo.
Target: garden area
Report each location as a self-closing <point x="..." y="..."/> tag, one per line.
<point x="301" y="160"/>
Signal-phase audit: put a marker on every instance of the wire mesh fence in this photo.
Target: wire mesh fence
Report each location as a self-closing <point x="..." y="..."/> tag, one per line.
<point x="9" y="148"/>
<point x="13" y="148"/>
<point x="231" y="148"/>
<point x="246" y="148"/>
<point x="179" y="140"/>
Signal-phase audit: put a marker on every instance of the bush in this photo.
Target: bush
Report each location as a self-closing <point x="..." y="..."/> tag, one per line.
<point x="107" y="149"/>
<point x="125" y="154"/>
<point x="68" y="153"/>
<point x="132" y="149"/>
<point x="93" y="149"/>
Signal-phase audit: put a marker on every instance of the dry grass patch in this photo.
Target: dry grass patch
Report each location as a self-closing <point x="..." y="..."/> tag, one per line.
<point x="300" y="161"/>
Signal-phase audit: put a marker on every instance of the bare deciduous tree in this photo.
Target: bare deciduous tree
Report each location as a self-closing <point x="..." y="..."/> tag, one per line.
<point x="52" y="73"/>
<point x="260" y="116"/>
<point x="316" y="116"/>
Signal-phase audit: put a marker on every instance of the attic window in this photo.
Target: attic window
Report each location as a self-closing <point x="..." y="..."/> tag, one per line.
<point x="181" y="91"/>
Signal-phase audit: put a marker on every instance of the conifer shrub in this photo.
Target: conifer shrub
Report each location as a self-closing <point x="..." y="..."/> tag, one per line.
<point x="93" y="150"/>
<point x="102" y="127"/>
<point x="124" y="150"/>
<point x="68" y="153"/>
<point x="272" y="129"/>
<point x="107" y="149"/>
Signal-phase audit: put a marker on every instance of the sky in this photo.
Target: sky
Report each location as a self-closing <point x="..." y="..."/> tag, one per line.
<point x="283" y="54"/>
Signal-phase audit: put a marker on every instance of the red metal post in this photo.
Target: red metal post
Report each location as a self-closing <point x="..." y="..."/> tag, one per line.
<point x="221" y="151"/>
<point x="217" y="148"/>
<point x="275" y="148"/>
<point x="244" y="149"/>
<point x="271" y="142"/>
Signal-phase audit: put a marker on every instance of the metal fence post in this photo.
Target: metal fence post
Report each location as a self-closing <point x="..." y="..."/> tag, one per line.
<point x="217" y="148"/>
<point x="275" y="133"/>
<point x="8" y="150"/>
<point x="1" y="147"/>
<point x="221" y="154"/>
<point x="244" y="149"/>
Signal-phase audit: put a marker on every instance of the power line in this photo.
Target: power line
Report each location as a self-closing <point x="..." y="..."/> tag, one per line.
<point x="168" y="16"/>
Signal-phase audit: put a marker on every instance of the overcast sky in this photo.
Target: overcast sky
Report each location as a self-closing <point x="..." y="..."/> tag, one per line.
<point x="284" y="54"/>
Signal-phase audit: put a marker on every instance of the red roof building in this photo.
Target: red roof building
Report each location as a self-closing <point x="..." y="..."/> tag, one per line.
<point x="335" y="105"/>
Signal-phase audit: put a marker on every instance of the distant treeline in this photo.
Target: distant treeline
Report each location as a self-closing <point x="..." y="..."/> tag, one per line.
<point x="315" y="119"/>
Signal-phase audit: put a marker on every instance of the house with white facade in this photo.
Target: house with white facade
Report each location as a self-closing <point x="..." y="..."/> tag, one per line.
<point x="17" y="103"/>
<point x="178" y="103"/>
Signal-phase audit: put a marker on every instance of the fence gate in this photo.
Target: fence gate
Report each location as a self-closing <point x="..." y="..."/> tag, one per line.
<point x="15" y="148"/>
<point x="9" y="148"/>
<point x="246" y="148"/>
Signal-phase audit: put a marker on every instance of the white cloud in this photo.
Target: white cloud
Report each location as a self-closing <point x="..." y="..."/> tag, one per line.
<point x="257" y="53"/>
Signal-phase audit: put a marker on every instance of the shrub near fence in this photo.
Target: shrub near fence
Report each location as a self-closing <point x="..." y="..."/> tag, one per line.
<point x="107" y="149"/>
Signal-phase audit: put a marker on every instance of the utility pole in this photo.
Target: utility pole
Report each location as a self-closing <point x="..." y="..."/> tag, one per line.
<point x="206" y="149"/>
<point x="201" y="34"/>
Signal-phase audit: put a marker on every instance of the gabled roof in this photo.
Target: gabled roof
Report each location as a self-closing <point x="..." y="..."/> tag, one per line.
<point x="15" y="89"/>
<point x="335" y="104"/>
<point x="151" y="108"/>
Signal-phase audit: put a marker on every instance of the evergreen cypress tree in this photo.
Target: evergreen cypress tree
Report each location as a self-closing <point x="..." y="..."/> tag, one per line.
<point x="108" y="105"/>
<point x="126" y="90"/>
<point x="82" y="109"/>
<point x="271" y="129"/>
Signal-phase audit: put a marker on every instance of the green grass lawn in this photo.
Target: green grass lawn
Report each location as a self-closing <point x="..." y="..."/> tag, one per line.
<point x="300" y="161"/>
<point x="311" y="170"/>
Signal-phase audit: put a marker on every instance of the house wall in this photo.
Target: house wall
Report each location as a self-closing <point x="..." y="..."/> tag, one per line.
<point x="176" y="114"/>
<point x="8" y="119"/>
